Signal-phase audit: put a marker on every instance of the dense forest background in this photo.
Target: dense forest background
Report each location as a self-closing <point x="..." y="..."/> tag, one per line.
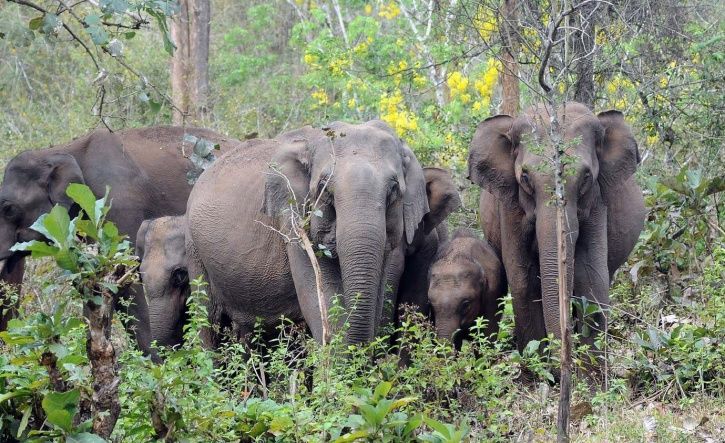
<point x="433" y="70"/>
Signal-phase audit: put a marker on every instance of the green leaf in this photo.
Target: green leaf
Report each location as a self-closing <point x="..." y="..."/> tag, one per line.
<point x="129" y="35"/>
<point x="38" y="248"/>
<point x="24" y="421"/>
<point x="154" y="106"/>
<point x="83" y="195"/>
<point x="57" y="226"/>
<point x="60" y="408"/>
<point x="35" y="23"/>
<point x="382" y="390"/>
<point x="439" y="427"/>
<point x="98" y="34"/>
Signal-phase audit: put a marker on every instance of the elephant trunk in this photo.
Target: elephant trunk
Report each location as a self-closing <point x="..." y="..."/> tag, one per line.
<point x="164" y="317"/>
<point x="546" y="235"/>
<point x="361" y="237"/>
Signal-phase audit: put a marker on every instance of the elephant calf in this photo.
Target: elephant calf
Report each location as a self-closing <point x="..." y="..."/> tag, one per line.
<point x="467" y="282"/>
<point x="160" y="243"/>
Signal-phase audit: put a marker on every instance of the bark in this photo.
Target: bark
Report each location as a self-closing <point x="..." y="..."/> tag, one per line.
<point x="102" y="355"/>
<point x="510" y="74"/>
<point x="582" y="44"/>
<point x="190" y="64"/>
<point x="50" y="361"/>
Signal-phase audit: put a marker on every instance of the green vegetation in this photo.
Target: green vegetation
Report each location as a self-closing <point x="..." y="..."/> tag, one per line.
<point x="278" y="65"/>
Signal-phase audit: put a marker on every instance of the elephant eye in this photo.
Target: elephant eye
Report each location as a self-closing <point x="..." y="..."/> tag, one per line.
<point x="586" y="183"/>
<point x="9" y="211"/>
<point x="464" y="306"/>
<point x="179" y="277"/>
<point x="526" y="183"/>
<point x="393" y="191"/>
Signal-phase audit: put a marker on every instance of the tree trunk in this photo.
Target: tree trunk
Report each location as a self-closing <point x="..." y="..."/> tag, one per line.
<point x="102" y="355"/>
<point x="510" y="74"/>
<point x="582" y="44"/>
<point x="190" y="64"/>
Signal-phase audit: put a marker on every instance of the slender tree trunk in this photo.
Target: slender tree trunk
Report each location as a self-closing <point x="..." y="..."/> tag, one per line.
<point x="510" y="74"/>
<point x="102" y="355"/>
<point x="190" y="30"/>
<point x="582" y="44"/>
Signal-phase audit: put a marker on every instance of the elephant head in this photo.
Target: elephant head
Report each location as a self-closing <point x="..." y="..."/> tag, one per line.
<point x="165" y="277"/>
<point x="369" y="197"/>
<point x="509" y="157"/>
<point x="33" y="183"/>
<point x="465" y="283"/>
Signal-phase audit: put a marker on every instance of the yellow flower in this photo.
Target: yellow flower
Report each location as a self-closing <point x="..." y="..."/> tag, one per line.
<point x="484" y="21"/>
<point x="419" y="81"/>
<point x="402" y="65"/>
<point x="360" y="48"/>
<point x="663" y="82"/>
<point x="368" y="9"/>
<point x="321" y="96"/>
<point x="652" y="139"/>
<point x="486" y="84"/>
<point x="351" y="103"/>
<point x="389" y="10"/>
<point x="395" y="113"/>
<point x="311" y="59"/>
<point x="457" y="83"/>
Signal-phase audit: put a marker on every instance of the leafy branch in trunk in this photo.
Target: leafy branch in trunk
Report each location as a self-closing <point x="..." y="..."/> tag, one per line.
<point x="98" y="262"/>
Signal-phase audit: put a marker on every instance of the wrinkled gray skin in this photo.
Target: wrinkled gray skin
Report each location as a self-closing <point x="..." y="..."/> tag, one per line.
<point x="144" y="167"/>
<point x="604" y="210"/>
<point x="161" y="245"/>
<point x="371" y="192"/>
<point x="467" y="281"/>
<point x="164" y="266"/>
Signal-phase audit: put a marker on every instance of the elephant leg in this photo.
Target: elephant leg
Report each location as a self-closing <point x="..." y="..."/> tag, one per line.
<point x="591" y="276"/>
<point x="394" y="268"/>
<point x="306" y="287"/>
<point x="522" y="273"/>
<point x="415" y="279"/>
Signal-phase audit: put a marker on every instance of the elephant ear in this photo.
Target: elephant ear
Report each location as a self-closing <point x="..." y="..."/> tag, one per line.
<point x="288" y="178"/>
<point x="491" y="158"/>
<point x="141" y="238"/>
<point x="415" y="201"/>
<point x="443" y="197"/>
<point x="617" y="151"/>
<point x="62" y="171"/>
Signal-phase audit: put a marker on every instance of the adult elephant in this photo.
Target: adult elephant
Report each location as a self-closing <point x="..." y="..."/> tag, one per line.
<point x="367" y="195"/>
<point x="604" y="210"/>
<point x="144" y="167"/>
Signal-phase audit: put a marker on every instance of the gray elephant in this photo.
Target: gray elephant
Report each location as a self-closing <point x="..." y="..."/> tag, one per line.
<point x="164" y="270"/>
<point x="467" y="281"/>
<point x="443" y="199"/>
<point x="164" y="266"/>
<point x="255" y="273"/>
<point x="604" y="210"/>
<point x="144" y="167"/>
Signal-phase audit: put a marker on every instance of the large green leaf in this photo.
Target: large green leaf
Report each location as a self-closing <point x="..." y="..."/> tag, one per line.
<point x="83" y="195"/>
<point x="37" y="248"/>
<point x="60" y="408"/>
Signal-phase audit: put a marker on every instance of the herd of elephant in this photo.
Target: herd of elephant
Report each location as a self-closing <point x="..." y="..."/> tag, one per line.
<point x="366" y="202"/>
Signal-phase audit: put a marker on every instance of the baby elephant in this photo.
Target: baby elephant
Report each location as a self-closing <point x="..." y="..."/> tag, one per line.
<point x="160" y="243"/>
<point x="467" y="281"/>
